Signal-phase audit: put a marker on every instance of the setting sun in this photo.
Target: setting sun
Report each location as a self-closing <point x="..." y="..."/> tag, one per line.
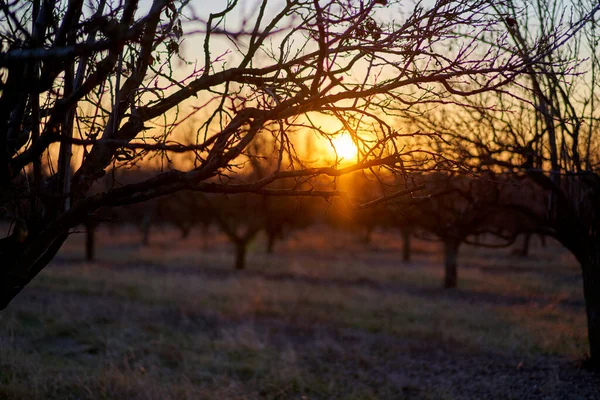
<point x="344" y="146"/>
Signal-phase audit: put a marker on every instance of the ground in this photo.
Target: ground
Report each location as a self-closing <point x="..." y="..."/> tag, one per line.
<point x="325" y="317"/>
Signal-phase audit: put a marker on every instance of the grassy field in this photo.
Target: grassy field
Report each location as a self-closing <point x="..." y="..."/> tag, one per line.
<point x="323" y="318"/>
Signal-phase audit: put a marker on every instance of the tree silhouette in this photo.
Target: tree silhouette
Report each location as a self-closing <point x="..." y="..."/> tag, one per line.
<point x="458" y="210"/>
<point x="544" y="133"/>
<point x="90" y="86"/>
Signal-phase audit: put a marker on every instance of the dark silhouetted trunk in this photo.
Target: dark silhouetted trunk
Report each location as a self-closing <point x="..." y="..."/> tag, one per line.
<point x="523" y="251"/>
<point x="90" y="241"/>
<point x="590" y="268"/>
<point x="145" y="226"/>
<point x="450" y="255"/>
<point x="406" y="234"/>
<point x="241" y="245"/>
<point x="240" y="254"/>
<point x="32" y="259"/>
<point x="185" y="231"/>
<point x="367" y="234"/>
<point x="526" y="243"/>
<point x="205" y="231"/>
<point x="591" y="293"/>
<point x="271" y="238"/>
<point x="587" y="252"/>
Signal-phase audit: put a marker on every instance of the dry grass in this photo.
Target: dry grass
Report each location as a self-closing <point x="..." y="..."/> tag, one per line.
<point x="323" y="318"/>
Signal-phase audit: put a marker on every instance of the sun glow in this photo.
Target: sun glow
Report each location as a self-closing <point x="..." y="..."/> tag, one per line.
<point x="344" y="147"/>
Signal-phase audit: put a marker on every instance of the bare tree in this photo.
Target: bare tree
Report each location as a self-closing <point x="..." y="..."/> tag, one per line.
<point x="236" y="218"/>
<point x="545" y="133"/>
<point x="458" y="210"/>
<point x="99" y="80"/>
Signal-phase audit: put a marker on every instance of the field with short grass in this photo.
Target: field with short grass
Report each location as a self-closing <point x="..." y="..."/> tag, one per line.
<point x="324" y="317"/>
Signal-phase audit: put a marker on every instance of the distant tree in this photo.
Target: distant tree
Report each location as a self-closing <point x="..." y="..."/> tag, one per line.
<point x="277" y="215"/>
<point x="183" y="210"/>
<point x="523" y="249"/>
<point x="237" y="218"/>
<point x="281" y="216"/>
<point x="101" y="79"/>
<point x="243" y="216"/>
<point x="361" y="222"/>
<point x="90" y="239"/>
<point x="457" y="209"/>
<point x="407" y="232"/>
<point x="401" y="218"/>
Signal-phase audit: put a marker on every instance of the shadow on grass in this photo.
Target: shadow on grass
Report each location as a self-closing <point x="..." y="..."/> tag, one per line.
<point x="321" y="361"/>
<point x="459" y="295"/>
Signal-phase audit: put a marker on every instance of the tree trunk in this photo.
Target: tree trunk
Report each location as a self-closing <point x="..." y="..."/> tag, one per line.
<point x="271" y="237"/>
<point x="185" y="231"/>
<point x="406" y="233"/>
<point x="591" y="294"/>
<point x="205" y="237"/>
<point x="145" y="226"/>
<point x="450" y="255"/>
<point x="240" y="254"/>
<point x="523" y="251"/>
<point x="90" y="241"/>
<point x="366" y="234"/>
<point x="28" y="262"/>
<point x="526" y="243"/>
